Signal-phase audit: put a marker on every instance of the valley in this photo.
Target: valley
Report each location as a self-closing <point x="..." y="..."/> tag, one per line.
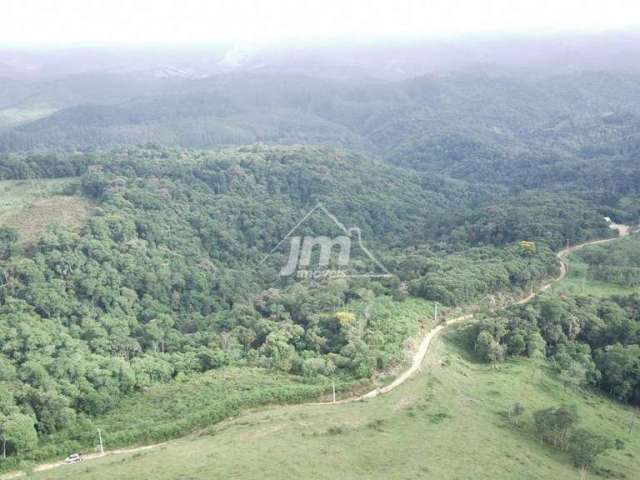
<point x="221" y="264"/>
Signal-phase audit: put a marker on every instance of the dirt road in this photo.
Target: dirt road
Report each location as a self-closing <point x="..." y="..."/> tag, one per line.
<point x="91" y="456"/>
<point x="422" y="350"/>
<point x="416" y="362"/>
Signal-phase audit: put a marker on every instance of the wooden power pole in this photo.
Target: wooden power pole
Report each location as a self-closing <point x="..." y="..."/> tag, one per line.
<point x="100" y="439"/>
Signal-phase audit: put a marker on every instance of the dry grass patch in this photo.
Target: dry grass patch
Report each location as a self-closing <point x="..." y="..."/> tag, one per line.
<point x="30" y="206"/>
<point x="32" y="221"/>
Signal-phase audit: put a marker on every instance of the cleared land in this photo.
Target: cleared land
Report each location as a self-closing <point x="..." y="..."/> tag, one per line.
<point x="30" y="206"/>
<point x="579" y="279"/>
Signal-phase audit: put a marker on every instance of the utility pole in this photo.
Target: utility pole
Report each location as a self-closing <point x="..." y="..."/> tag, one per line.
<point x="101" y="446"/>
<point x="333" y="385"/>
<point x="435" y="315"/>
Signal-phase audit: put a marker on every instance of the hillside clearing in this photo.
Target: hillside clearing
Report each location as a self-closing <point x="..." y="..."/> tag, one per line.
<point x="30" y="206"/>
<point x="579" y="280"/>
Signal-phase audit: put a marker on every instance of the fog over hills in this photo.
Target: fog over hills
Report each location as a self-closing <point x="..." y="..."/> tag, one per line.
<point x="389" y="60"/>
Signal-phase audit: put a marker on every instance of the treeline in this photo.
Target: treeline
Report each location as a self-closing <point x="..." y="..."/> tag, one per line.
<point x="473" y="275"/>
<point x="589" y="341"/>
<point x="26" y="166"/>
<point x="559" y="428"/>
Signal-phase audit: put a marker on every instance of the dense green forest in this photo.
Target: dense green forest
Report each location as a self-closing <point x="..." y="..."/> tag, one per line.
<point x="164" y="279"/>
<point x="191" y="184"/>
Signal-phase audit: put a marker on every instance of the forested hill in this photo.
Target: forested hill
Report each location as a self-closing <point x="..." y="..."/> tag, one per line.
<point x="462" y="186"/>
<point x="453" y="116"/>
<point x="532" y="131"/>
<point x="162" y="280"/>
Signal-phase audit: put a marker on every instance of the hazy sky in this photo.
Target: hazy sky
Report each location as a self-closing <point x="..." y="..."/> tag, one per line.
<point x="201" y="21"/>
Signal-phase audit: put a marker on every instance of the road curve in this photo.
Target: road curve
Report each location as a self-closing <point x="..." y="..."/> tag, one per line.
<point x="421" y="352"/>
<point x="417" y="359"/>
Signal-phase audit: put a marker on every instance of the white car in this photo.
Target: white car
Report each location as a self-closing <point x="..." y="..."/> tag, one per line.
<point x="73" y="458"/>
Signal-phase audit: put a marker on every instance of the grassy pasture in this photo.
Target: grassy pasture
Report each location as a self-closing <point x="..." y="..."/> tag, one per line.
<point x="447" y="423"/>
<point x="580" y="282"/>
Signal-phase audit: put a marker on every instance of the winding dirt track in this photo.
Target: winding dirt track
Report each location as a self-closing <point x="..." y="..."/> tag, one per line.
<point x="418" y="356"/>
<point x="417" y="359"/>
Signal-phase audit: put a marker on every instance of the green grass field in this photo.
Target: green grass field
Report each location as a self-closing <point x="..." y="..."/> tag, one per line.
<point x="578" y="282"/>
<point x="30" y="206"/>
<point x="447" y="423"/>
<point x="166" y="411"/>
